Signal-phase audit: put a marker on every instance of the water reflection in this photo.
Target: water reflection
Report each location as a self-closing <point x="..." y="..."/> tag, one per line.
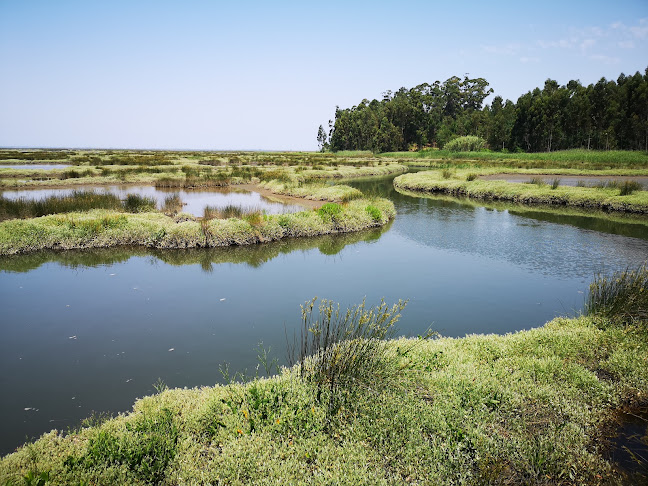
<point x="254" y="256"/>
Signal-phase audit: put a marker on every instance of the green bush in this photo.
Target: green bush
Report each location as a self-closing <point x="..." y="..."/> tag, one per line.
<point x="329" y="211"/>
<point x="468" y="143"/>
<point x="374" y="212"/>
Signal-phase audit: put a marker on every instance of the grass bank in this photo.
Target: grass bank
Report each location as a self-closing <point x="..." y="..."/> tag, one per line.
<point x="465" y="183"/>
<point x="107" y="228"/>
<point x="531" y="407"/>
<point x="568" y="159"/>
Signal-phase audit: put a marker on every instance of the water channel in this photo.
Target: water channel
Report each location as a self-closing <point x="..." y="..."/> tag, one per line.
<point x="91" y="331"/>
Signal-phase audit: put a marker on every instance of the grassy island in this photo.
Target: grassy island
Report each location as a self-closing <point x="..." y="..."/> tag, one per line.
<point x="625" y="196"/>
<point x="101" y="228"/>
<point x="91" y="220"/>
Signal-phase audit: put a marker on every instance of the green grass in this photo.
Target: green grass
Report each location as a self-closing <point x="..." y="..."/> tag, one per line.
<point x="530" y="407"/>
<point x="106" y="228"/>
<point x="583" y="159"/>
<point x="537" y="192"/>
<point x="75" y="202"/>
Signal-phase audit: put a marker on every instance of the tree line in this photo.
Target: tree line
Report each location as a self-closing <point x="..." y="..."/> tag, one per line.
<point x="605" y="115"/>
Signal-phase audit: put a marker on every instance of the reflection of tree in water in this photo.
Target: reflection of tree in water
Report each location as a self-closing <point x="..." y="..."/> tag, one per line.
<point x="253" y="255"/>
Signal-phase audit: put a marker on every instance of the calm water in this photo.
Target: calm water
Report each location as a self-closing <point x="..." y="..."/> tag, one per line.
<point x="84" y="331"/>
<point x="195" y="200"/>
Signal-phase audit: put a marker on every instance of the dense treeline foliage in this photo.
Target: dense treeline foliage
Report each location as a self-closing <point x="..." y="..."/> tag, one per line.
<point x="606" y="115"/>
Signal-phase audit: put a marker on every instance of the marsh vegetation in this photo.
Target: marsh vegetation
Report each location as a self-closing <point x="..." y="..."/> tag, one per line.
<point x="358" y="404"/>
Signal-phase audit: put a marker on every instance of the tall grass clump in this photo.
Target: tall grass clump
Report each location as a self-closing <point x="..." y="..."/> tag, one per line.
<point x="623" y="296"/>
<point x="172" y="204"/>
<point x="628" y="187"/>
<point x="446" y="173"/>
<point x="134" y="203"/>
<point x="343" y="352"/>
<point x="555" y="183"/>
<point x="276" y="175"/>
<point x="76" y="201"/>
<point x="538" y="181"/>
<point x="468" y="143"/>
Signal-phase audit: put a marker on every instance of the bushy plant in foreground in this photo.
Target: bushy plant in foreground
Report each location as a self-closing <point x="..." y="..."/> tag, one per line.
<point x="341" y="352"/>
<point x="622" y="296"/>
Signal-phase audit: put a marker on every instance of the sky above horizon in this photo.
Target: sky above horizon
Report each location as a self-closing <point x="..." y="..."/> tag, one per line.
<point x="262" y="75"/>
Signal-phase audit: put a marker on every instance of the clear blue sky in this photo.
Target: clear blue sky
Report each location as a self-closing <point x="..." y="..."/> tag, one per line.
<point x="264" y="75"/>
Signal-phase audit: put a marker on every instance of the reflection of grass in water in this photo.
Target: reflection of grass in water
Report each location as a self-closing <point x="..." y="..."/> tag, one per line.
<point x="253" y="255"/>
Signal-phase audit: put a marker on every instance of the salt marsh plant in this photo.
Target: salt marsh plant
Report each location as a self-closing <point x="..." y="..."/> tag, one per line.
<point x="622" y="296"/>
<point x="555" y="183"/>
<point x="538" y="181"/>
<point x="146" y="451"/>
<point x="628" y="187"/>
<point x="342" y="352"/>
<point x="134" y="203"/>
<point x="76" y="201"/>
<point x="329" y="211"/>
<point x="446" y="173"/>
<point x="276" y="175"/>
<point x="374" y="212"/>
<point x="172" y="204"/>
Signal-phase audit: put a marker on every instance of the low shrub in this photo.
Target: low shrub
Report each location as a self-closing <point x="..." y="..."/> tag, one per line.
<point x="374" y="212"/>
<point x="329" y="211"/>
